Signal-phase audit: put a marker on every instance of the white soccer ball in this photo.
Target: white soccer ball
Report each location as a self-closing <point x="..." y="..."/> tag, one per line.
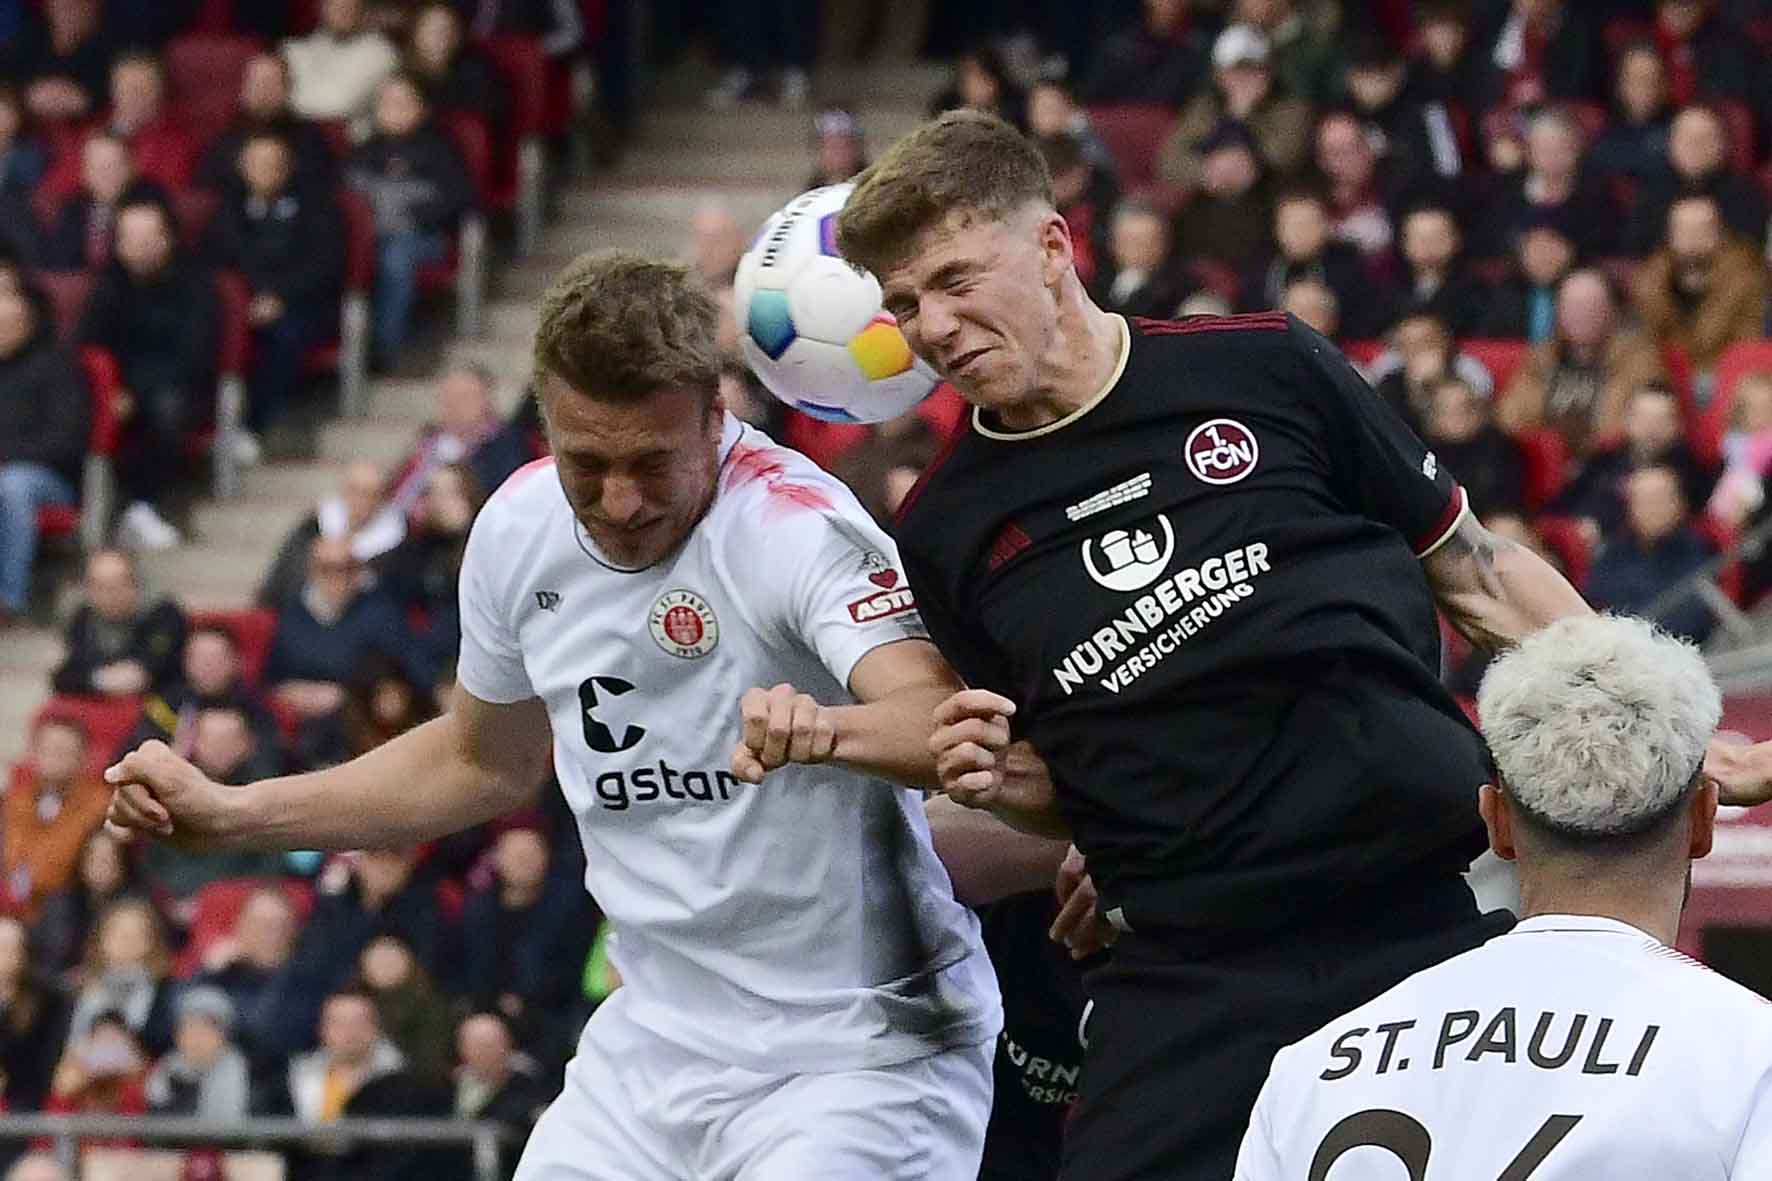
<point x="811" y="326"/>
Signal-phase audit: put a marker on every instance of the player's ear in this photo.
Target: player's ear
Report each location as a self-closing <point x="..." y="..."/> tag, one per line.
<point x="1704" y="818"/>
<point x="1496" y="820"/>
<point x="717" y="412"/>
<point x="1059" y="254"/>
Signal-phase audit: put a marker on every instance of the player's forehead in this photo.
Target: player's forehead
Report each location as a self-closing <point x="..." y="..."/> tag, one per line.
<point x="609" y="429"/>
<point x="966" y="240"/>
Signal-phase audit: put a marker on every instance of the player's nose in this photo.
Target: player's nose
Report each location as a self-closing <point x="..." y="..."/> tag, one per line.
<point x="620" y="500"/>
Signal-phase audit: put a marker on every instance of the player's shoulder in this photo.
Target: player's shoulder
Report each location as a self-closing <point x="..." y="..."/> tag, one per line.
<point x="769" y="491"/>
<point x="522" y="509"/>
<point x="1204" y="347"/>
<point x="1705" y="988"/>
<point x="1252" y="329"/>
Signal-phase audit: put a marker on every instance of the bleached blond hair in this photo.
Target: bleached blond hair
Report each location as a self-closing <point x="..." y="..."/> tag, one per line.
<point x="1599" y="724"/>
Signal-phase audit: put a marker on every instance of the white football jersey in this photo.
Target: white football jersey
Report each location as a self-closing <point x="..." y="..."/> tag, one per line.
<point x="803" y="924"/>
<point x="1571" y="1049"/>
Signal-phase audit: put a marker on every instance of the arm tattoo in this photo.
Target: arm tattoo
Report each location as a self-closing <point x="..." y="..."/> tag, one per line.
<point x="1467" y="565"/>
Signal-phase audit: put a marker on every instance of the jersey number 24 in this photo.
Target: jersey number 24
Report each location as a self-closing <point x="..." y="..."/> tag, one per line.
<point x="1404" y="1136"/>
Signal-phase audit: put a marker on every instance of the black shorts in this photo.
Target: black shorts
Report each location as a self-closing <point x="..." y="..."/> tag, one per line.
<point x="1181" y="1032"/>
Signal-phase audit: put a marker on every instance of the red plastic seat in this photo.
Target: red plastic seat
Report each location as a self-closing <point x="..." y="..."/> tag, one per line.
<point x="1564" y="537"/>
<point x="204" y="71"/>
<point x="520" y="173"/>
<point x="1620" y="31"/>
<point x="252" y="629"/>
<point x="194" y="209"/>
<point x="464" y="269"/>
<point x="90" y="517"/>
<point x="1680" y="378"/>
<point x="1546" y="465"/>
<point x="1738" y="124"/>
<point x="1362" y="352"/>
<point x="66" y="292"/>
<point x="108" y="721"/>
<point x="1134" y="133"/>
<point x="217" y="908"/>
<point x="350" y="355"/>
<point x="1500" y="357"/>
<point x="1737" y="361"/>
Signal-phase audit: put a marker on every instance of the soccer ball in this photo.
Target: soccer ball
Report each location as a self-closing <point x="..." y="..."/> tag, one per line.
<point x="811" y="327"/>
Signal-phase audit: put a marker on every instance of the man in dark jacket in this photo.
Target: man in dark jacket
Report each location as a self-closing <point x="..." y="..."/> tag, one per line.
<point x="48" y="416"/>
<point x="157" y="313"/>
<point x="419" y="188"/>
<point x="81" y="232"/>
<point x="287" y="241"/>
<point x="1303" y="249"/>
<point x="1697" y="165"/>
<point x="264" y="107"/>
<point x="1160" y="59"/>
<point x="118" y="646"/>
<point x="1654" y="551"/>
<point x="495" y="1082"/>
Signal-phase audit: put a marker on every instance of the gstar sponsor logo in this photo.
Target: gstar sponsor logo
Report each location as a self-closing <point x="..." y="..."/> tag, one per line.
<point x="683" y="624"/>
<point x="882" y="605"/>
<point x="1221" y="451"/>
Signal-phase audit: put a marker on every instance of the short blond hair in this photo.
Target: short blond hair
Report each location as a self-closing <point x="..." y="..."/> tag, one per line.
<point x="618" y="327"/>
<point x="966" y="162"/>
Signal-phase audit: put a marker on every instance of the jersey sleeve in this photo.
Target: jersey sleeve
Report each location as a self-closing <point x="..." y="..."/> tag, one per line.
<point x="490" y="665"/>
<point x="1387" y="473"/>
<point x="958" y="641"/>
<point x="1257" y="1158"/>
<point x="1754" y="1157"/>
<point x="846" y="593"/>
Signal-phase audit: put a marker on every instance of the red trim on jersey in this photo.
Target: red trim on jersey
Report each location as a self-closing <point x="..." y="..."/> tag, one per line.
<point x="1011" y="541"/>
<point x="1247" y="322"/>
<point x="765" y="465"/>
<point x="941" y="457"/>
<point x="1454" y="506"/>
<point x="524" y="472"/>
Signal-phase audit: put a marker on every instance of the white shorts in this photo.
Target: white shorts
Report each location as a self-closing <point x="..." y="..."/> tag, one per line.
<point x="638" y="1108"/>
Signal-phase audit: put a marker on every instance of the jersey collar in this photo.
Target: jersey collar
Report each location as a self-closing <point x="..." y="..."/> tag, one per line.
<point x="1059" y="424"/>
<point x="1591" y="923"/>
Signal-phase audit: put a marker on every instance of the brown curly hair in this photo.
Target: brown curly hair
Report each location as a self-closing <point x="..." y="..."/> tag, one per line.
<point x="618" y="327"/>
<point x="967" y="162"/>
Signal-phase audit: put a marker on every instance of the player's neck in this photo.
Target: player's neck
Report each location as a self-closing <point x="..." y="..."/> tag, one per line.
<point x="1652" y="907"/>
<point x="1084" y="354"/>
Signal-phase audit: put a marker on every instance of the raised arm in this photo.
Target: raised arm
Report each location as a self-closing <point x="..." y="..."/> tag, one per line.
<point x="1494" y="590"/>
<point x="477" y="761"/>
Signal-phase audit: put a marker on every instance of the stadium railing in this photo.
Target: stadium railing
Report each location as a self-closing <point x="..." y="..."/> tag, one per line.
<point x="482" y="1137"/>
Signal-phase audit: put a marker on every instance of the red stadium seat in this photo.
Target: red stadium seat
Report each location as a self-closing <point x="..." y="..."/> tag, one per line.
<point x="352" y="351"/>
<point x="1620" y="31"/>
<point x="1362" y="352"/>
<point x="67" y="292"/>
<point x="1738" y="123"/>
<point x="1500" y="357"/>
<point x="1564" y="537"/>
<point x="108" y="721"/>
<point x="1546" y="465"/>
<point x="1731" y="579"/>
<point x="465" y="269"/>
<point x="193" y="209"/>
<point x="519" y="181"/>
<point x="204" y="72"/>
<point x="217" y="907"/>
<point x="1759" y="30"/>
<point x="1134" y="133"/>
<point x="1737" y="361"/>
<point x="232" y="354"/>
<point x="252" y="629"/>
<point x="1680" y="378"/>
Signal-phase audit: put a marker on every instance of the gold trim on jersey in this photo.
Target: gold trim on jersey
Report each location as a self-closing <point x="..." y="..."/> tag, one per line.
<point x="1059" y="424"/>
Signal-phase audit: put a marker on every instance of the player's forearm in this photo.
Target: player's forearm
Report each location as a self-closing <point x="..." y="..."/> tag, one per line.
<point x="1497" y="592"/>
<point x="1028" y="799"/>
<point x="985" y="858"/>
<point x="413" y="789"/>
<point x="890" y="736"/>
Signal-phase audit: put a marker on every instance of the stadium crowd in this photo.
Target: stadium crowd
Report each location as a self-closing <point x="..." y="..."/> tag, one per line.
<point x="1542" y="231"/>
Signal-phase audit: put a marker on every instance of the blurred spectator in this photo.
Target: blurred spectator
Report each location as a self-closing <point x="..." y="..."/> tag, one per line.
<point x="104" y="875"/>
<point x="1435" y="273"/>
<point x="419" y="189"/>
<point x="1655" y="550"/>
<point x="225" y="747"/>
<point x="117" y="645"/>
<point x="264" y="107"/>
<point x="1303" y="35"/>
<point x="1542" y="50"/>
<point x="1358" y="204"/>
<point x="1415" y="141"/>
<point x="356" y="513"/>
<point x="1243" y="89"/>
<point x="1160" y="58"/>
<point x="211" y="675"/>
<point x="838" y="150"/>
<point x="1422" y="351"/>
<point x="47" y="409"/>
<point x="520" y="928"/>
<point x="323" y="633"/>
<point x="1697" y="164"/>
<point x="494" y="1083"/>
<point x="381" y="704"/>
<point x="205" y="1075"/>
<point x="162" y="149"/>
<point x="982" y="82"/>
<point x="50" y="812"/>
<point x="414" y="1015"/>
<point x="1053" y="110"/>
<point x="334" y="72"/>
<point x="1523" y="306"/>
<point x="158" y="314"/>
<point x="756" y="38"/>
<point x="1633" y="145"/>
<point x="1460" y="427"/>
<point x="557" y="24"/>
<point x="1653" y="436"/>
<point x="1304" y="250"/>
<point x="33" y="1021"/>
<point x="465" y="430"/>
<point x="1704" y="289"/>
<point x="1707" y="55"/>
<point x="67" y="62"/>
<point x="455" y="75"/>
<point x="1747" y="452"/>
<point x="1552" y="182"/>
<point x="353" y="1053"/>
<point x="1230" y="217"/>
<point x="102" y="1071"/>
<point x="124" y="972"/>
<point x="37" y="1166"/>
<point x="245" y="964"/>
<point x="287" y="241"/>
<point x="1578" y="380"/>
<point x="1446" y="68"/>
<point x="421" y="572"/>
<point x="1074" y="193"/>
<point x="716" y="243"/>
<point x="1143" y="279"/>
<point x="22" y="158"/>
<point x="81" y="233"/>
<point x="1311" y="300"/>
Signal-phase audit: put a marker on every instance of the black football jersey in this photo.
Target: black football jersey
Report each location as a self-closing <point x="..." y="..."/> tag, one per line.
<point x="1203" y="591"/>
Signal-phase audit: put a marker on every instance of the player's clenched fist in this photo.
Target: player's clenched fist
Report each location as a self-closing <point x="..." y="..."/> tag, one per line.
<point x="781" y="726"/>
<point x="157" y="793"/>
<point x="969" y="744"/>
